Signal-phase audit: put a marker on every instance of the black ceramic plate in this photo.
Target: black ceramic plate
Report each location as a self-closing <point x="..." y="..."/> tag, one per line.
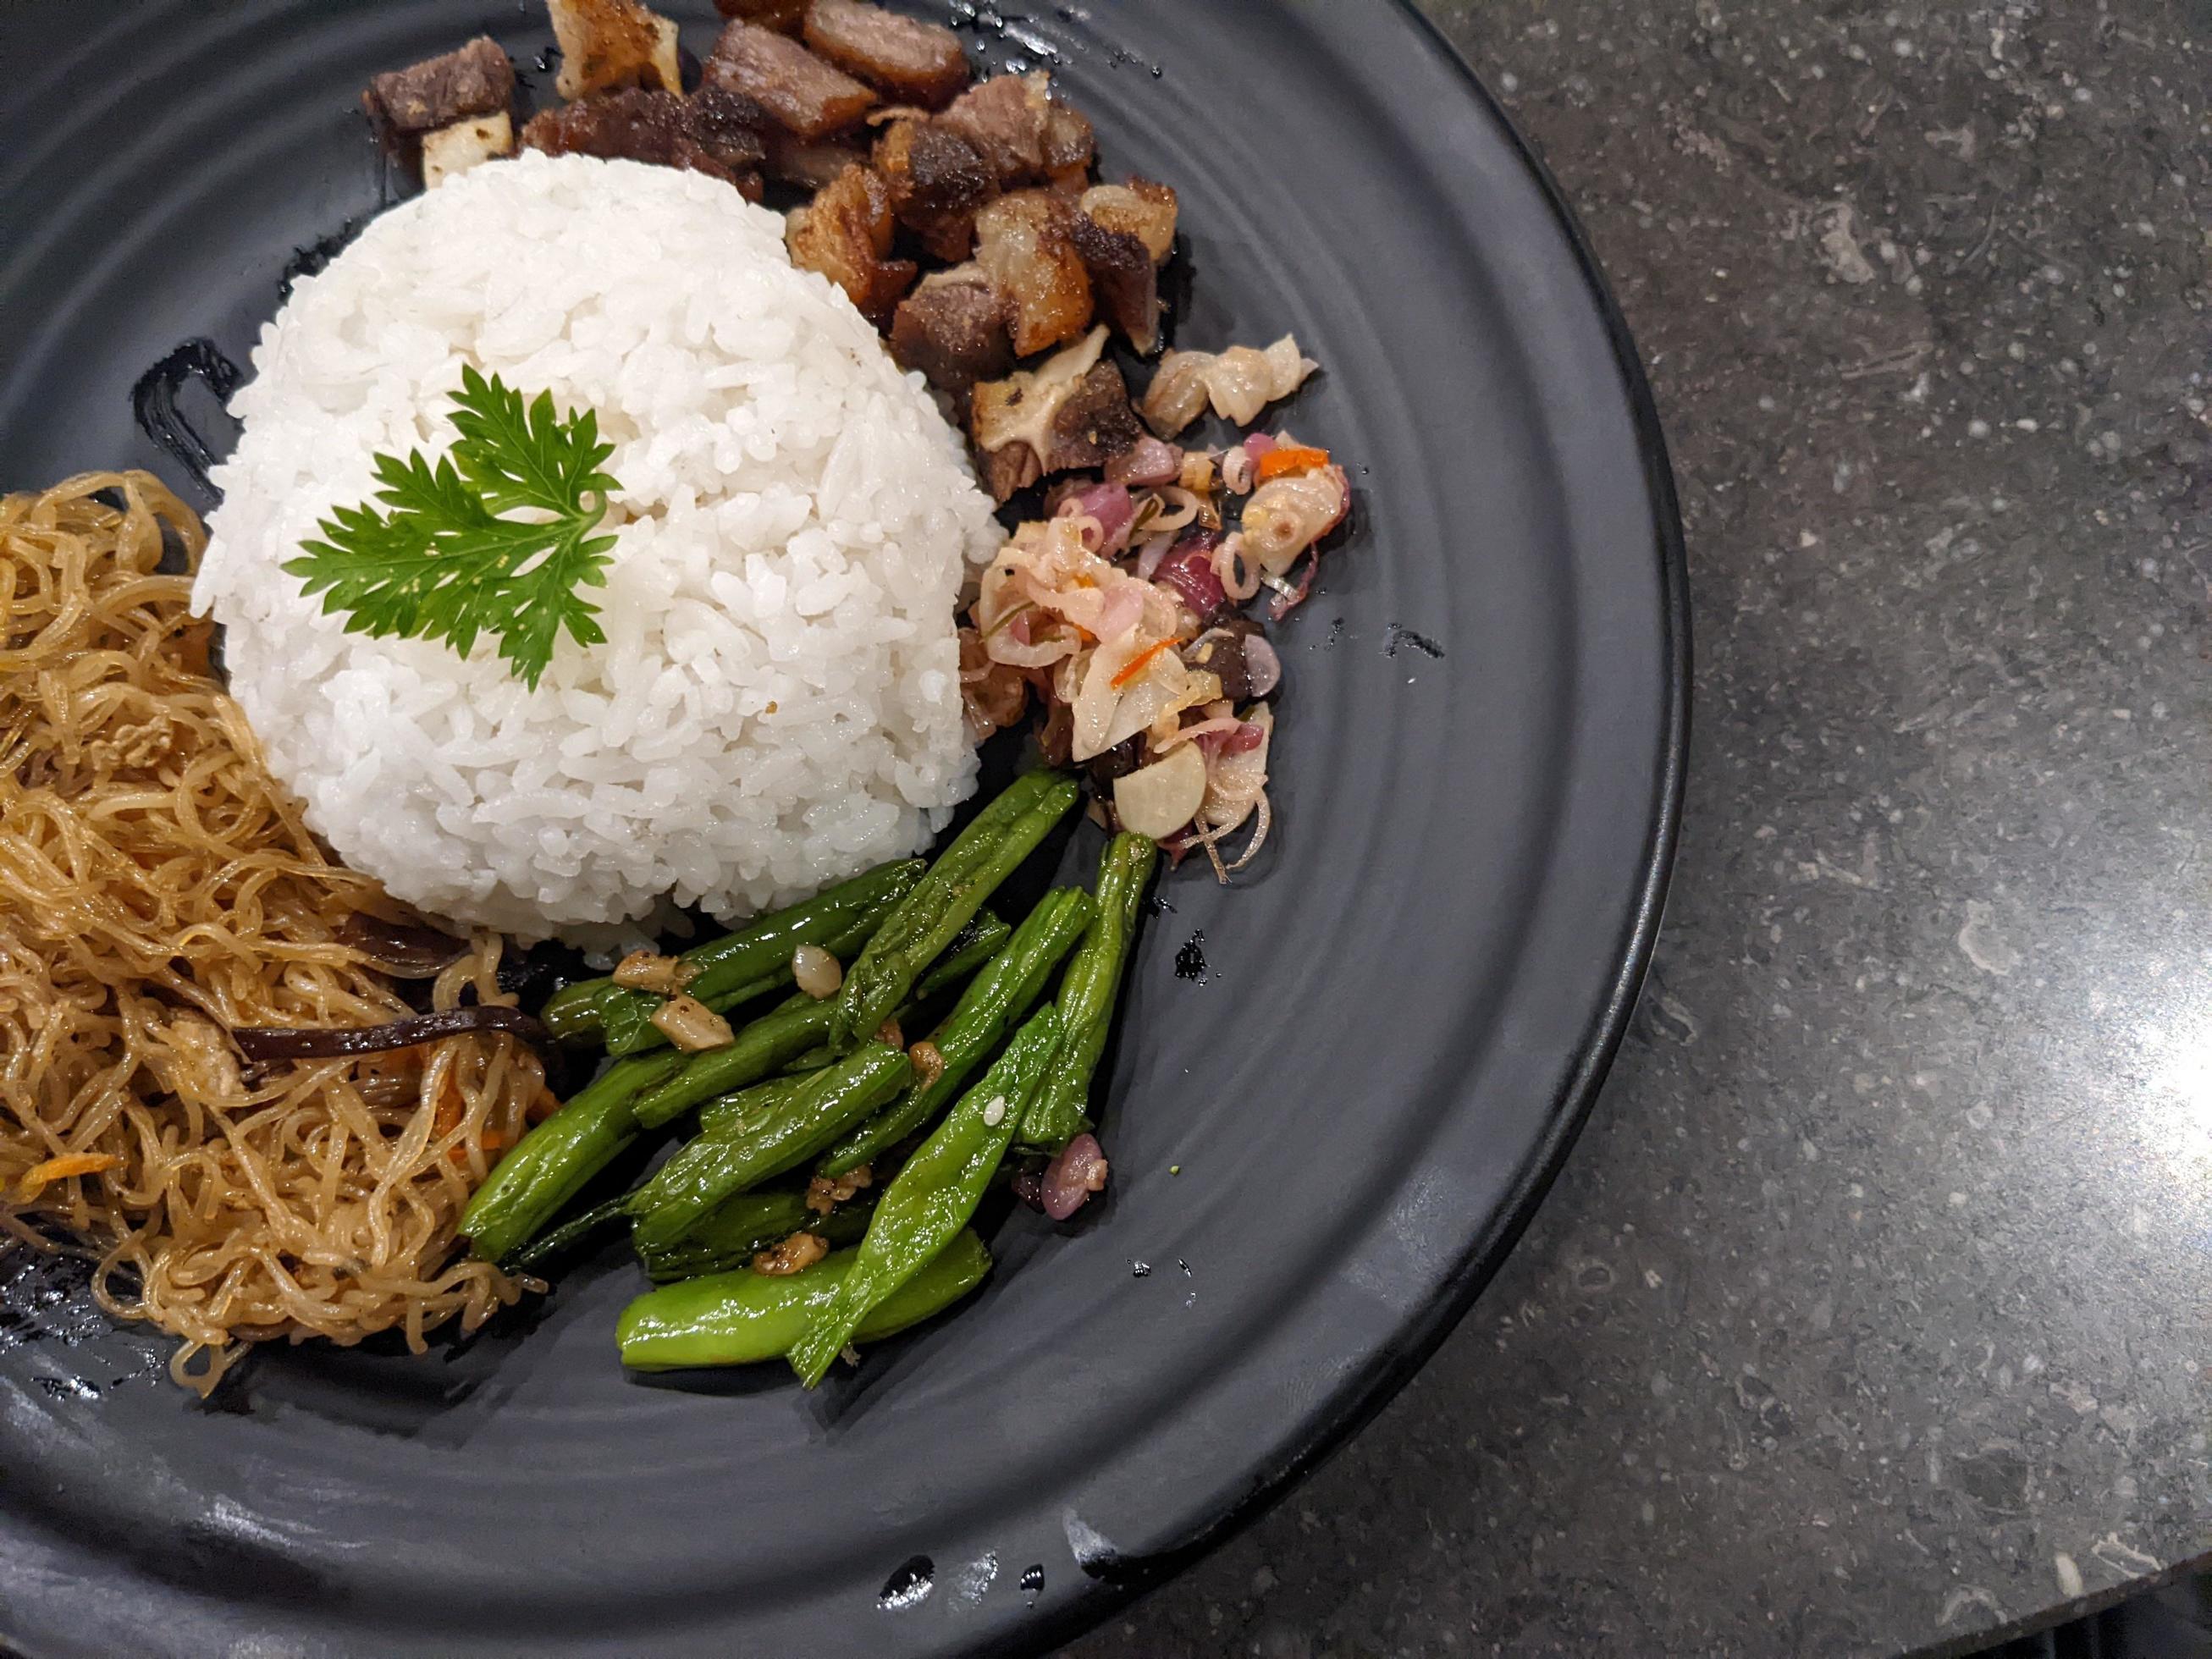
<point x="1322" y="1144"/>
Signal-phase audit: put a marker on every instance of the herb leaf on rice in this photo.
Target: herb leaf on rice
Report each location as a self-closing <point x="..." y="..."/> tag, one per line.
<point x="445" y="562"/>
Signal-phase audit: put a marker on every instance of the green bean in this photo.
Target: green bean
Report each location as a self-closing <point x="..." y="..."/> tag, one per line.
<point x="547" y="1246"/>
<point x="765" y="1143"/>
<point x="926" y="920"/>
<point x="719" y="1117"/>
<point x="976" y="944"/>
<point x="933" y="1194"/>
<point x="737" y="962"/>
<point x="980" y="941"/>
<point x="1087" y="993"/>
<point x="571" y="1014"/>
<point x="551" y="1165"/>
<point x="741" y="1318"/>
<point x="628" y="1015"/>
<point x="747" y="1225"/>
<point x="759" y="1050"/>
<point x="1002" y="993"/>
<point x="795" y="1034"/>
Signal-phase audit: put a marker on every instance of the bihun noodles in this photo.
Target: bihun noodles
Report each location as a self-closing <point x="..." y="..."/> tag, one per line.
<point x="160" y="891"/>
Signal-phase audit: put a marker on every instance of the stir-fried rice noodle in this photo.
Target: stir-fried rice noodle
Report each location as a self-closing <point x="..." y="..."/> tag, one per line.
<point x="157" y="890"/>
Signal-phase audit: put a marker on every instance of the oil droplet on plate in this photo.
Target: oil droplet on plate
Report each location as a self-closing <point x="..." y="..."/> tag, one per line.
<point x="909" y="1587"/>
<point x="1190" y="961"/>
<point x="154" y="401"/>
<point x="1402" y="636"/>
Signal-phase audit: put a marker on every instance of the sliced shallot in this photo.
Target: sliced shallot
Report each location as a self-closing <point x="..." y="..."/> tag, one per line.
<point x="1107" y="505"/>
<point x="1236" y="470"/>
<point x="1070" y="1179"/>
<point x="1288" y="515"/>
<point x="1189" y="569"/>
<point x="1263" y="664"/>
<point x="1236" y="787"/>
<point x="1149" y="461"/>
<point x="1206" y="733"/>
<point x="1179" y="509"/>
<point x="1228" y="559"/>
<point x="1237" y="774"/>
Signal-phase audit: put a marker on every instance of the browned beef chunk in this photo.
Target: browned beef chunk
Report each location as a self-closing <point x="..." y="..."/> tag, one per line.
<point x="812" y="164"/>
<point x="1145" y="210"/>
<point x="953" y="328"/>
<point x="632" y="124"/>
<point x="807" y="97"/>
<point x="1069" y="148"/>
<point x="1004" y="120"/>
<point x="1025" y="242"/>
<point x="706" y="135"/>
<point x="728" y="127"/>
<point x="1071" y="411"/>
<point x="844" y="233"/>
<point x="1124" y="278"/>
<point x="938" y="182"/>
<point x="477" y="80"/>
<point x="1004" y="471"/>
<point x="1096" y="423"/>
<point x="903" y="57"/>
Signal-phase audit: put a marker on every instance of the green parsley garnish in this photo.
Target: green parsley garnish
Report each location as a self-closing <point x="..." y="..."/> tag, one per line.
<point x="446" y="561"/>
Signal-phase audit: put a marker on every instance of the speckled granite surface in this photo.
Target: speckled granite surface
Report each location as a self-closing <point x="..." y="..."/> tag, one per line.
<point x="1874" y="1311"/>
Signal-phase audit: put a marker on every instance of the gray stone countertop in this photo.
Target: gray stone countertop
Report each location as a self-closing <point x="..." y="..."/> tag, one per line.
<point x="1870" y="1313"/>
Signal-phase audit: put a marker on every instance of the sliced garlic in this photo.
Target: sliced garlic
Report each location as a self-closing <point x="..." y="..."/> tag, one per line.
<point x="1158" y="800"/>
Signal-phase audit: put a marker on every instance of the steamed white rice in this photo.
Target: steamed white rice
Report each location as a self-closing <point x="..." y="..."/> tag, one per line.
<point x="777" y="705"/>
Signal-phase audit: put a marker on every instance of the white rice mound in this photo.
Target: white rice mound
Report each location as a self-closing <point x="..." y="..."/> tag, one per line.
<point x="777" y="705"/>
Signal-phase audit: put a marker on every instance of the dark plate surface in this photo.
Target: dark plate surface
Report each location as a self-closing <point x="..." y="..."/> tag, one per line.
<point x="1408" y="1003"/>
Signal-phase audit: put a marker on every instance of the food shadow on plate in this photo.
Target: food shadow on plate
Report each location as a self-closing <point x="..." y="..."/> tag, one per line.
<point x="1015" y="1234"/>
<point x="378" y="1384"/>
